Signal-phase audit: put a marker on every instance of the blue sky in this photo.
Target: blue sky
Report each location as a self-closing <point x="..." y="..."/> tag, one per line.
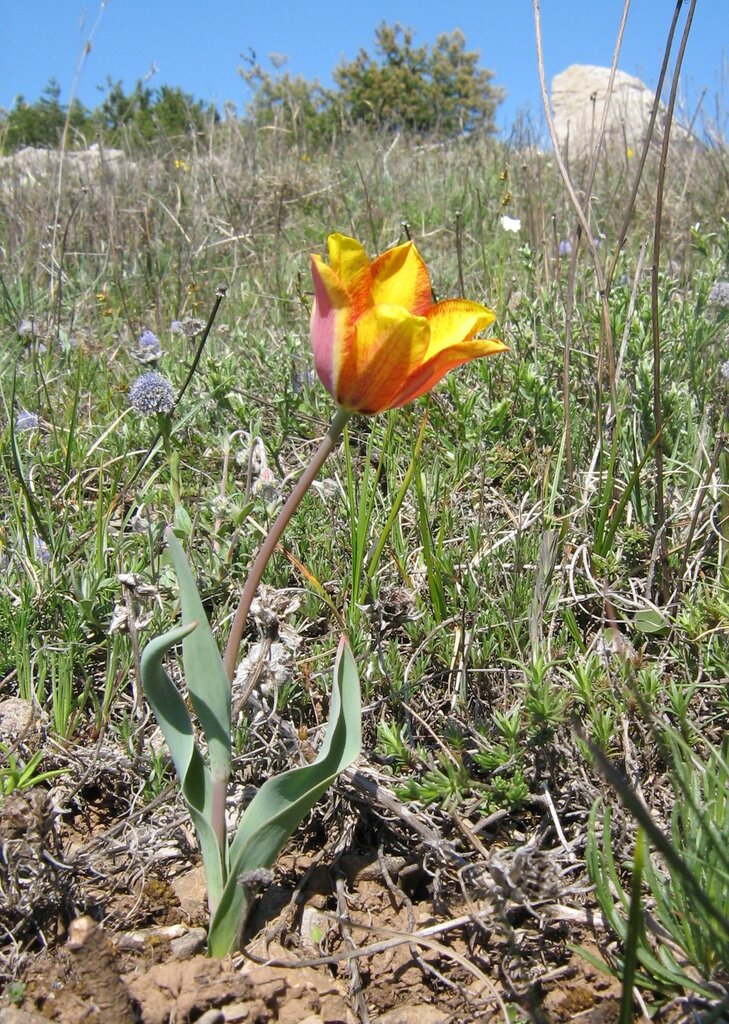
<point x="198" y="46"/>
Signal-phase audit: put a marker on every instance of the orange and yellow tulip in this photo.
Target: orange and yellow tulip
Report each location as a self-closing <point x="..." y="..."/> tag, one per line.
<point x="379" y="340"/>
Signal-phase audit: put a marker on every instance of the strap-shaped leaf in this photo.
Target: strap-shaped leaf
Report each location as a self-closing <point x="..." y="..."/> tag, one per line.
<point x="171" y="713"/>
<point x="283" y="801"/>
<point x="207" y="682"/>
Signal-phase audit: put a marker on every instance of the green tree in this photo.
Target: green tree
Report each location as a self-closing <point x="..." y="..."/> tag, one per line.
<point x="41" y="124"/>
<point x="417" y="88"/>
<point x="414" y="88"/>
<point x="289" y="102"/>
<point x="177" y="114"/>
<point x="118" y="109"/>
<point x="151" y="114"/>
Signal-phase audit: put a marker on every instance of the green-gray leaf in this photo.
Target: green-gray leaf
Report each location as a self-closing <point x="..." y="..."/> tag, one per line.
<point x="207" y="681"/>
<point x="283" y="801"/>
<point x="170" y="711"/>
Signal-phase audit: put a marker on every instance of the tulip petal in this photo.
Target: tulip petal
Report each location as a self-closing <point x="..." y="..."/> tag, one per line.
<point x="400" y="278"/>
<point x="351" y="264"/>
<point x="454" y="321"/>
<point x="428" y="375"/>
<point x="452" y="326"/>
<point x="389" y="344"/>
<point x="331" y="333"/>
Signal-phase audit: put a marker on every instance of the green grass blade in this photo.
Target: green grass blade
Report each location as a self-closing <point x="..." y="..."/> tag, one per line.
<point x="435" y="578"/>
<point x="659" y="840"/>
<point x="617" y="514"/>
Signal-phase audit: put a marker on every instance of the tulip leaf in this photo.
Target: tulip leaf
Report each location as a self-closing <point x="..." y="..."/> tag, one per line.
<point x="207" y="681"/>
<point x="650" y="620"/>
<point x="172" y="715"/>
<point x="283" y="801"/>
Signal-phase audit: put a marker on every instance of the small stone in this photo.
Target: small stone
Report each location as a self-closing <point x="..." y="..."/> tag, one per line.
<point x="212" y="1017"/>
<point x="314" y="929"/>
<point x="191" y="890"/>
<point x="421" y="1013"/>
<point x="189" y="945"/>
<point x="12" y="1015"/>
<point x="139" y="939"/>
<point x="166" y="853"/>
<point x="235" y="1012"/>
<point x="16" y="718"/>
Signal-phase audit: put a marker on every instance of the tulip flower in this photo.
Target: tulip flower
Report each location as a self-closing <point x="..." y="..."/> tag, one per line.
<point x="379" y="340"/>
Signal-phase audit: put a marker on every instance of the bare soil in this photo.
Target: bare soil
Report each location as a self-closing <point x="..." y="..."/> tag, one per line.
<point x="396" y="936"/>
<point x="379" y="910"/>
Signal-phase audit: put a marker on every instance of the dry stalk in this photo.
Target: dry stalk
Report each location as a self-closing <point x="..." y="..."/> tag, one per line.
<point x="660" y="504"/>
<point x="646" y="147"/>
<point x="606" y="337"/>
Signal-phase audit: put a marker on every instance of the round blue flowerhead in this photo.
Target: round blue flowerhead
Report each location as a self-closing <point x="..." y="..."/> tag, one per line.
<point x="148" y="348"/>
<point x="26" y="421"/>
<point x="150" y="341"/>
<point x="719" y="294"/>
<point x="152" y="393"/>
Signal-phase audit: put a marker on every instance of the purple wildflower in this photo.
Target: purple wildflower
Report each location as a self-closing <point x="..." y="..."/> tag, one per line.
<point x="26" y="421"/>
<point x="719" y="294"/>
<point x="152" y="393"/>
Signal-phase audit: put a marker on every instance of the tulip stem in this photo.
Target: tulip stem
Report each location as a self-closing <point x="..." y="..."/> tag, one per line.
<point x="267" y="548"/>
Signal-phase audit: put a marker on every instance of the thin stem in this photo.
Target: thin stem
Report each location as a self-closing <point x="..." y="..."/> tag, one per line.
<point x="173" y="460"/>
<point x="646" y="147"/>
<point x="269" y="545"/>
<point x="660" y="505"/>
<point x="606" y="334"/>
<point x="219" y="296"/>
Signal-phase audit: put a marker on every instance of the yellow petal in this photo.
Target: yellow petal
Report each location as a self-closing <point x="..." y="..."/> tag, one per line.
<point x="454" y="321"/>
<point x="351" y="264"/>
<point x="433" y="370"/>
<point x="452" y="326"/>
<point x="389" y="344"/>
<point x="400" y="278"/>
<point x="331" y="330"/>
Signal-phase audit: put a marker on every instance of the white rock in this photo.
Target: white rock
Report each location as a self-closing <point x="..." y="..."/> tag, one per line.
<point x="578" y="100"/>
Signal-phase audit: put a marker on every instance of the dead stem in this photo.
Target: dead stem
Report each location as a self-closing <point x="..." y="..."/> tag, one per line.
<point x="646" y="146"/>
<point x="660" y="505"/>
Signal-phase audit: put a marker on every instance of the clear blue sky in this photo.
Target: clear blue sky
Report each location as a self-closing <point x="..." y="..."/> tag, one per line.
<point x="198" y="45"/>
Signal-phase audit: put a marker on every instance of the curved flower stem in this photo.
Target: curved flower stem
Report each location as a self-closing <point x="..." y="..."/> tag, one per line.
<point x="267" y="548"/>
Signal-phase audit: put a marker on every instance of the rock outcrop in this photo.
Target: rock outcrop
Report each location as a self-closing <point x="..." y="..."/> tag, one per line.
<point x="578" y="101"/>
<point x="31" y="166"/>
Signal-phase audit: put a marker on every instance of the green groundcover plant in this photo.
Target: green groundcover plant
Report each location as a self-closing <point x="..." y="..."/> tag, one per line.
<point x="677" y="934"/>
